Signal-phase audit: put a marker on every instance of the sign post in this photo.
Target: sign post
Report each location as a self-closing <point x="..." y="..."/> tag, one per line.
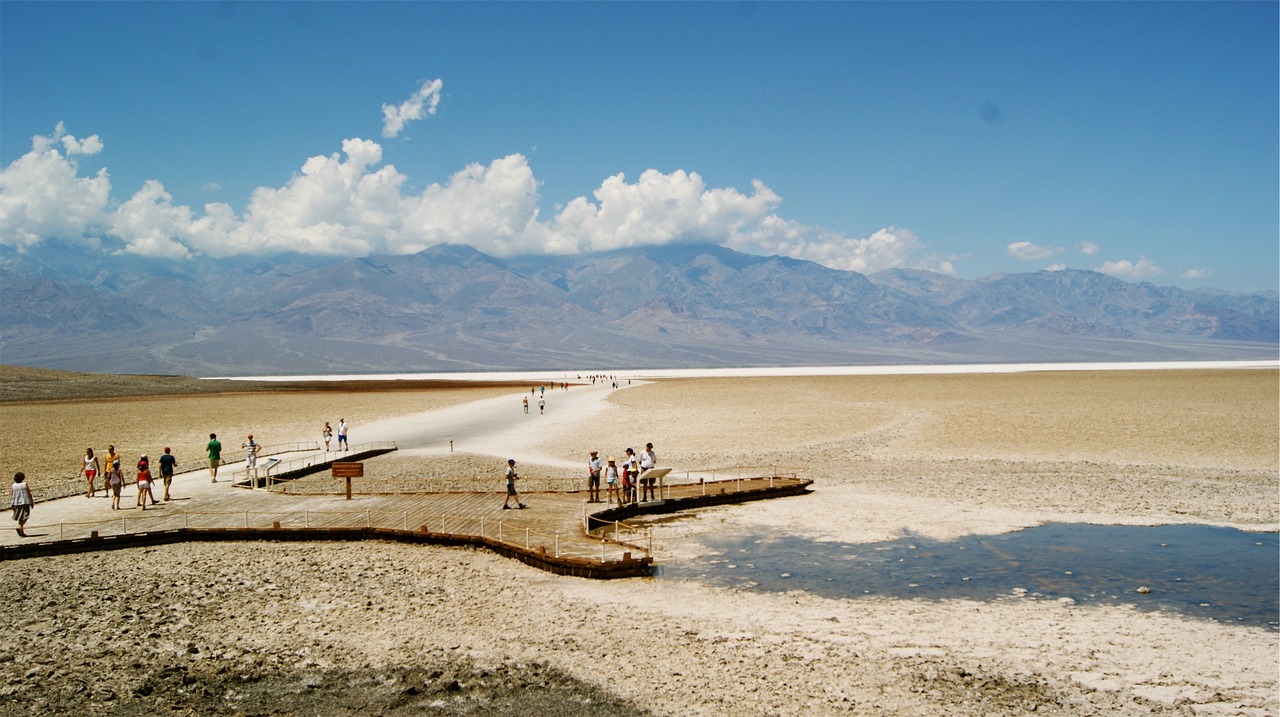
<point x="347" y="470"/>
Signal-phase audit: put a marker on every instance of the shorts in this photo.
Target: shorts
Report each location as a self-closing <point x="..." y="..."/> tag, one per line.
<point x="20" y="513"/>
<point x="511" y="487"/>
<point x="215" y="462"/>
<point x="167" y="478"/>
<point x="90" y="473"/>
<point x="144" y="486"/>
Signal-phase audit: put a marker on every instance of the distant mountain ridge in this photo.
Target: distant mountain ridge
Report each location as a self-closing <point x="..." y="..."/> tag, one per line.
<point x="452" y="308"/>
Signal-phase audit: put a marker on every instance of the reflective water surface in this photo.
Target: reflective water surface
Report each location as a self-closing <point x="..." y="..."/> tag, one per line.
<point x="1202" y="571"/>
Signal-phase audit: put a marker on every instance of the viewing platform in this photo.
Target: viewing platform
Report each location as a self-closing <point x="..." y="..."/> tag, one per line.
<point x="559" y="531"/>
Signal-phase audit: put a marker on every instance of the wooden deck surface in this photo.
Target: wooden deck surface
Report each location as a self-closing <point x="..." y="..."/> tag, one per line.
<point x="551" y="526"/>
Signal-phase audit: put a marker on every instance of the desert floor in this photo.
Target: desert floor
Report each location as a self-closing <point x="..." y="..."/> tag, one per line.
<point x="346" y="629"/>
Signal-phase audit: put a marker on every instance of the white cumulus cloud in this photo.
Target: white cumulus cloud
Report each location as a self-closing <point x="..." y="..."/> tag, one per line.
<point x="1144" y="268"/>
<point x="1196" y="274"/>
<point x="42" y="195"/>
<point x="350" y="203"/>
<point x="419" y="105"/>
<point x="1026" y="251"/>
<point x="1088" y="248"/>
<point x="660" y="209"/>
<point x="888" y="248"/>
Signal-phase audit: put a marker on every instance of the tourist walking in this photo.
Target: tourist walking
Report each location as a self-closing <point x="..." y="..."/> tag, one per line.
<point x="21" y="501"/>
<point x="91" y="470"/>
<point x="542" y="406"/>
<point x="512" y="477"/>
<point x="144" y="482"/>
<point x="110" y="458"/>
<point x="115" y="481"/>
<point x="594" y="467"/>
<point x="525" y="401"/>
<point x="214" y="447"/>
<point x="250" y="453"/>
<point x="327" y="432"/>
<point x="342" y="434"/>
<point x="167" y="463"/>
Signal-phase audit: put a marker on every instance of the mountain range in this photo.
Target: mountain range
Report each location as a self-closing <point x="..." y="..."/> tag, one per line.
<point x="452" y="308"/>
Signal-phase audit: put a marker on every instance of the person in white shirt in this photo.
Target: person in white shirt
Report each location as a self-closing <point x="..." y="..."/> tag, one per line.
<point x="21" y="501"/>
<point x="594" y="466"/>
<point x="648" y="459"/>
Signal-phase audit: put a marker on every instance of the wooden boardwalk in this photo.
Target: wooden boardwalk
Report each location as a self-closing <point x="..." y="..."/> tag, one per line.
<point x="552" y="533"/>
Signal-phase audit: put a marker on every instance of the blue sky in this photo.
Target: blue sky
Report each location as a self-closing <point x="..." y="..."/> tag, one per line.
<point x="1139" y="139"/>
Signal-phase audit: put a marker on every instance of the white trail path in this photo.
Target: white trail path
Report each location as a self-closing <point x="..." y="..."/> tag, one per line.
<point x="493" y="426"/>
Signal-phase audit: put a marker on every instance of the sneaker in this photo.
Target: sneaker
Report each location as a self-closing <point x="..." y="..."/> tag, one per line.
<point x="522" y="506"/>
<point x="506" y="507"/>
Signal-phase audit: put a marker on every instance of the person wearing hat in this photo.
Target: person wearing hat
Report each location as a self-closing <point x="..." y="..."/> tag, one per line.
<point x="630" y="476"/>
<point x="144" y="482"/>
<point x="594" y="466"/>
<point x="512" y="477"/>
<point x="167" y="464"/>
<point x="611" y="481"/>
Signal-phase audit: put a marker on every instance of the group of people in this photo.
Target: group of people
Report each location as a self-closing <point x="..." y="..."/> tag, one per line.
<point x="114" y="480"/>
<point x="327" y="434"/>
<point x="625" y="483"/>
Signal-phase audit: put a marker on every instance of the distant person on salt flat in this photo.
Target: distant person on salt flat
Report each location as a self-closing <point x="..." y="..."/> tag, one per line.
<point x="214" y="447"/>
<point x="542" y="406"/>
<point x="512" y="477"/>
<point x="21" y="501"/>
<point x="327" y="433"/>
<point x="525" y="401"/>
<point x="91" y="470"/>
<point x="167" y="463"/>
<point x="343" y="426"/>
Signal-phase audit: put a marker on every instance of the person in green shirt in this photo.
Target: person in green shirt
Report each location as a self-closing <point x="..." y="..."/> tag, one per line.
<point x="215" y="455"/>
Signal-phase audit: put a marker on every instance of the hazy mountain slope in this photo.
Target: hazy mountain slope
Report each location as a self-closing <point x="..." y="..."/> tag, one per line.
<point x="454" y="308"/>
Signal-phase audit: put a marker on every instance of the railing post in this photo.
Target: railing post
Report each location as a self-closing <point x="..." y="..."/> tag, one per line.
<point x="526" y="538"/>
<point x="185" y="523"/>
<point x="405" y="525"/>
<point x="246" y="520"/>
<point x="602" y="550"/>
<point x="557" y="544"/>
<point x="499" y="531"/>
<point x="366" y="517"/>
<point x="482" y="527"/>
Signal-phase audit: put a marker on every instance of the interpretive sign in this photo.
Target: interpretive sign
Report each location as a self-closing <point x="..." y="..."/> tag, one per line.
<point x="348" y="470"/>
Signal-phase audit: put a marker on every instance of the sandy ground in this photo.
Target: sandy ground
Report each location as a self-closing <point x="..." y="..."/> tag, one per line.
<point x="341" y="629"/>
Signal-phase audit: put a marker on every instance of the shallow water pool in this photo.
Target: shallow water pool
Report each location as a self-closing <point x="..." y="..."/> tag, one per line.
<point x="1201" y="571"/>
